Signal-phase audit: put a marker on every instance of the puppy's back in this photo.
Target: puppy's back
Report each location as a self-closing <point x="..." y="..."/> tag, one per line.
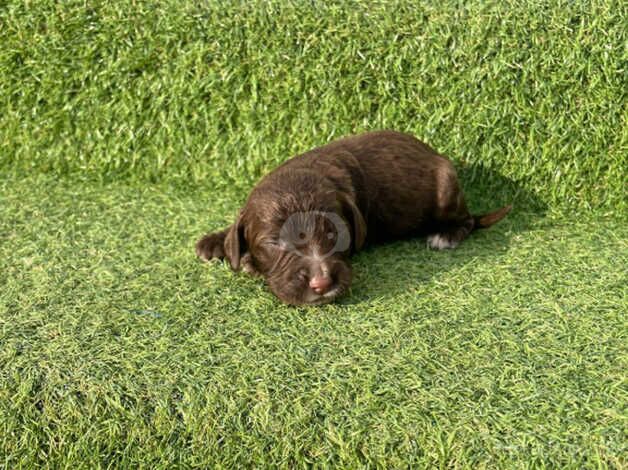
<point x="404" y="179"/>
<point x="398" y="181"/>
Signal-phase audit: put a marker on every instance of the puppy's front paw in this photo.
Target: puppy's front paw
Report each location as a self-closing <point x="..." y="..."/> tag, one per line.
<point x="211" y="246"/>
<point x="248" y="266"/>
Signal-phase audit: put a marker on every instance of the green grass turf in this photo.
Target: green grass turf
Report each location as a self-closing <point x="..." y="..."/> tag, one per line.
<point x="118" y="347"/>
<point x="220" y="92"/>
<point x="129" y="128"/>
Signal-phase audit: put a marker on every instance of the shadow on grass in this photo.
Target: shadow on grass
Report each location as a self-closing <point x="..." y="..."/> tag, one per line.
<point x="486" y="189"/>
<point x="385" y="271"/>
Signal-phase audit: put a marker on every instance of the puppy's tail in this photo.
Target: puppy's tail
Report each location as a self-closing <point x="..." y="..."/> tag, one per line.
<point x="486" y="220"/>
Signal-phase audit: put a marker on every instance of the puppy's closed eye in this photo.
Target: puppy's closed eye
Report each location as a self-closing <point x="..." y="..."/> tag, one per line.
<point x="302" y="275"/>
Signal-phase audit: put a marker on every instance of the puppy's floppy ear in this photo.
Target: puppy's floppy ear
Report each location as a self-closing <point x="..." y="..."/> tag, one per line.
<point x="235" y="244"/>
<point x="359" y="225"/>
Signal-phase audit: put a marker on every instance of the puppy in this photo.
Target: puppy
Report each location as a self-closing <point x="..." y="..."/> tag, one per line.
<point x="302" y="221"/>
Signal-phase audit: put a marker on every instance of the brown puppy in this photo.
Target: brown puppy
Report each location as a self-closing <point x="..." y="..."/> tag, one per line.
<point x="303" y="220"/>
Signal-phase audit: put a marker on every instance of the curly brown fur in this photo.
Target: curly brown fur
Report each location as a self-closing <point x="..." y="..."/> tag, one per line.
<point x="302" y="221"/>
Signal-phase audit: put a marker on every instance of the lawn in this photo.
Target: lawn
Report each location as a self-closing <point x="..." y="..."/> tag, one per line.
<point x="130" y="128"/>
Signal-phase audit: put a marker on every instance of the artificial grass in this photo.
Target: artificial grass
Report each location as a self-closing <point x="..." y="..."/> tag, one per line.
<point x="120" y="348"/>
<point x="129" y="128"/>
<point x="219" y="92"/>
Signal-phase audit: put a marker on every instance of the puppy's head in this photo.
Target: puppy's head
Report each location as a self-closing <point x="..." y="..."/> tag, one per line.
<point x="301" y="249"/>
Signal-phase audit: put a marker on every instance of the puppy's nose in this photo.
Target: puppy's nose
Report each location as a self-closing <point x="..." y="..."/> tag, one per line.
<point x="320" y="284"/>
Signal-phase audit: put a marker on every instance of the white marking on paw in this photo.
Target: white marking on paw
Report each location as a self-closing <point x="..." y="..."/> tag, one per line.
<point x="439" y="242"/>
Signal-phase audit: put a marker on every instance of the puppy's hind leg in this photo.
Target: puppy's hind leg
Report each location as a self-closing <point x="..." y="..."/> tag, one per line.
<point x="450" y="236"/>
<point x="452" y="221"/>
